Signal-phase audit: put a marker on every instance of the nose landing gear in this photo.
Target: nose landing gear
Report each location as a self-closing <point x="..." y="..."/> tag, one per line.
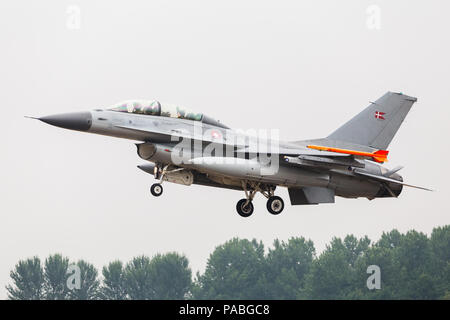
<point x="156" y="189"/>
<point x="162" y="173"/>
<point x="159" y="171"/>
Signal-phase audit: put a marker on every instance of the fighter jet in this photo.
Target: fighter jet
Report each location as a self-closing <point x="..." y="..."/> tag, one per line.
<point x="185" y="147"/>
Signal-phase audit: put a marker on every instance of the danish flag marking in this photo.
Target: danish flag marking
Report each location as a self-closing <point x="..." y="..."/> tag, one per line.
<point x="379" y="115"/>
<point x="215" y="134"/>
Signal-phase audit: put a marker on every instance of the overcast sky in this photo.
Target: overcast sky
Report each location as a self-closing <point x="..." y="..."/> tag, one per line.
<point x="304" y="67"/>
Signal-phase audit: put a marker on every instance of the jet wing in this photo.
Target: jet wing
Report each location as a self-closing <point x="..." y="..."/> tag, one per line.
<point x="385" y="179"/>
<point x="262" y="148"/>
<point x="300" y="155"/>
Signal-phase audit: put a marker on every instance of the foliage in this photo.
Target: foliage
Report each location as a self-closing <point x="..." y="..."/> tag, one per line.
<point x="235" y="270"/>
<point x="28" y="280"/>
<point x="163" y="277"/>
<point x="55" y="277"/>
<point x="89" y="284"/>
<point x="113" y="282"/>
<point x="172" y="276"/>
<point x="288" y="264"/>
<point x="412" y="266"/>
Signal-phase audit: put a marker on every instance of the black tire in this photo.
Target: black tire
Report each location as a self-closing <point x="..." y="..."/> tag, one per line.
<point x="244" y="210"/>
<point x="275" y="205"/>
<point x="156" y="189"/>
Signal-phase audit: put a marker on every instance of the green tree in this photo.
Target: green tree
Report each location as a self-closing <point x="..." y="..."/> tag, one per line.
<point x="163" y="277"/>
<point x="440" y="266"/>
<point x="113" y="287"/>
<point x="414" y="258"/>
<point x="383" y="255"/>
<point x="412" y="265"/>
<point x="55" y="277"/>
<point x="288" y="263"/>
<point x="355" y="248"/>
<point x="406" y="264"/>
<point x="89" y="284"/>
<point x="28" y="280"/>
<point x="172" y="276"/>
<point x="138" y="277"/>
<point x="333" y="275"/>
<point x="390" y="240"/>
<point x="235" y="270"/>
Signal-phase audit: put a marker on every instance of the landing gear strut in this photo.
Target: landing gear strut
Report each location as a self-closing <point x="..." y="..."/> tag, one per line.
<point x="244" y="207"/>
<point x="159" y="172"/>
<point x="157" y="189"/>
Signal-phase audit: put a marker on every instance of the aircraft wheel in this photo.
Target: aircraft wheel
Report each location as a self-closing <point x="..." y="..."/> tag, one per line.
<point x="156" y="189"/>
<point x="244" y="210"/>
<point x="275" y="205"/>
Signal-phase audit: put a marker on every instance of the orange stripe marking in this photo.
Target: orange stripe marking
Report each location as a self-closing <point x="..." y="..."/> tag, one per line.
<point x="378" y="156"/>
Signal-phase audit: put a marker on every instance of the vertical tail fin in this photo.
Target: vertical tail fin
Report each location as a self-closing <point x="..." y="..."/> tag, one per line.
<point x="376" y="125"/>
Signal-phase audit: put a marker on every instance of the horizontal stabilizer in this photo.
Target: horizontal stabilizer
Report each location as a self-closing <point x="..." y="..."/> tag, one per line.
<point x="389" y="180"/>
<point x="392" y="171"/>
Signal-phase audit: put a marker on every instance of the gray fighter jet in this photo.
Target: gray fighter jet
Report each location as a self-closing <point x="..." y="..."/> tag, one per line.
<point x="185" y="147"/>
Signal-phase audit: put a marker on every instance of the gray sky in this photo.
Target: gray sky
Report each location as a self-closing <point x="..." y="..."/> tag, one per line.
<point x="302" y="67"/>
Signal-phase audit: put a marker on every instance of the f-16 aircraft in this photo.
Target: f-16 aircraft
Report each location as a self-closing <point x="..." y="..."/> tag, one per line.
<point x="186" y="147"/>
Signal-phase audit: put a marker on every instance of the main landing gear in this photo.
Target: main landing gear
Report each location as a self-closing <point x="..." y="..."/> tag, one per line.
<point x="275" y="205"/>
<point x="244" y="207"/>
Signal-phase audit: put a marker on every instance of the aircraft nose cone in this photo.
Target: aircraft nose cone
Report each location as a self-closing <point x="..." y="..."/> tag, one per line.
<point x="80" y="121"/>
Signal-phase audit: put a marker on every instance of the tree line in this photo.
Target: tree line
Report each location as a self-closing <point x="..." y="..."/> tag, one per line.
<point x="412" y="266"/>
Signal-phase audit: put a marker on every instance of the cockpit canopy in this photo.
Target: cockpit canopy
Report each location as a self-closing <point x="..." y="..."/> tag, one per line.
<point x="154" y="108"/>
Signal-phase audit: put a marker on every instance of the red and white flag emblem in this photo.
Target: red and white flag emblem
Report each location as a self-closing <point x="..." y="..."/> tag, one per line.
<point x="379" y="115"/>
<point x="215" y="134"/>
